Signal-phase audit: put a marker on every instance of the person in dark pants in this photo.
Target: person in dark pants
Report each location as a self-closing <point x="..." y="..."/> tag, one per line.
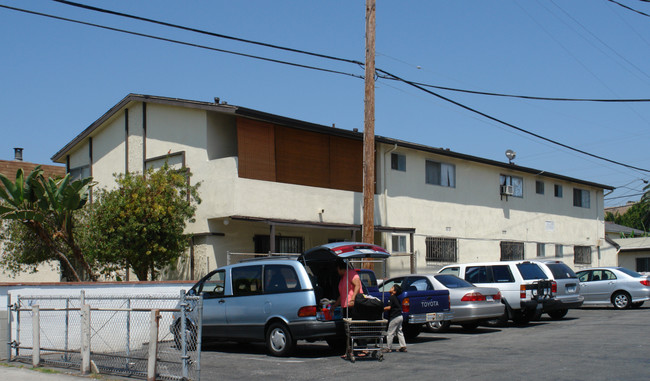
<point x="395" y="320"/>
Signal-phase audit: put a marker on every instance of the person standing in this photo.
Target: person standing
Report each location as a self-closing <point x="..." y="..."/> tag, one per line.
<point x="349" y="286"/>
<point x="395" y="320"/>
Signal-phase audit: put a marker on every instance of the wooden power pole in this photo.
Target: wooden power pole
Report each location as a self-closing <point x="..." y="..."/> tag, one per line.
<point x="368" y="233"/>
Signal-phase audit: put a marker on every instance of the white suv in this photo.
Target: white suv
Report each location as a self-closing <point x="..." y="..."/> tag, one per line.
<point x="525" y="288"/>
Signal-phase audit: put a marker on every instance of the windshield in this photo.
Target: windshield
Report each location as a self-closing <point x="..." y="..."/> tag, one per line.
<point x="629" y="272"/>
<point x="561" y="271"/>
<point x="452" y="281"/>
<point x="531" y="271"/>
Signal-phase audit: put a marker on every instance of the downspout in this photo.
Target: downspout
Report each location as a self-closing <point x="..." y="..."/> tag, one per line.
<point x="385" y="190"/>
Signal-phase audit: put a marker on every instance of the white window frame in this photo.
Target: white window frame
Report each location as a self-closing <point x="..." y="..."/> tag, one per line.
<point x="516" y="182"/>
<point x="445" y="176"/>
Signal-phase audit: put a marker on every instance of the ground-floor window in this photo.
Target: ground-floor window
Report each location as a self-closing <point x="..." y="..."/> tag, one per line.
<point x="643" y="264"/>
<point x="282" y="244"/>
<point x="582" y="255"/>
<point x="512" y="251"/>
<point x="441" y="249"/>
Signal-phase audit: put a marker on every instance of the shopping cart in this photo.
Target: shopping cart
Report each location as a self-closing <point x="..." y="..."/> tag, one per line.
<point x="365" y="336"/>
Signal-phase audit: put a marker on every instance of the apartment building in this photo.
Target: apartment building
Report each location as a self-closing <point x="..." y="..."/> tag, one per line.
<point x="276" y="184"/>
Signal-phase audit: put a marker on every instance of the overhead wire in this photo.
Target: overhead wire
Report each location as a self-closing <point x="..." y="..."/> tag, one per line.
<point x="182" y="42"/>
<point x="330" y="57"/>
<point x="393" y="76"/>
<point x="629" y="8"/>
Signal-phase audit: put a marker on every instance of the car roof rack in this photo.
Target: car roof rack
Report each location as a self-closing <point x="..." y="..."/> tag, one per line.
<point x="269" y="257"/>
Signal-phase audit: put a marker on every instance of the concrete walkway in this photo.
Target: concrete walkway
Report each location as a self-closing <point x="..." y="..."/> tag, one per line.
<point x="23" y="372"/>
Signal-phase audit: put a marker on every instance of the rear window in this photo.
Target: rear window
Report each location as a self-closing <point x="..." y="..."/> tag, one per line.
<point x="452" y="281"/>
<point x="629" y="272"/>
<point x="367" y="278"/>
<point x="530" y="271"/>
<point x="561" y="271"/>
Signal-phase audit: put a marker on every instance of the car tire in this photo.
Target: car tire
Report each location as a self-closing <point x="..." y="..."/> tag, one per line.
<point x="521" y="317"/>
<point x="190" y="335"/>
<point x="637" y="305"/>
<point x="411" y="331"/>
<point x="621" y="300"/>
<point x="279" y="341"/>
<point x="438" y="326"/>
<point x="470" y="326"/>
<point x="336" y="344"/>
<point x="558" y="314"/>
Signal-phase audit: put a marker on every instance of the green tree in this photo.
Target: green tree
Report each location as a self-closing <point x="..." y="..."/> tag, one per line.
<point x="38" y="215"/>
<point x="140" y="224"/>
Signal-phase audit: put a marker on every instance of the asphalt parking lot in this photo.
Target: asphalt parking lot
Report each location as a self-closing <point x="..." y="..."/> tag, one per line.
<point x="588" y="344"/>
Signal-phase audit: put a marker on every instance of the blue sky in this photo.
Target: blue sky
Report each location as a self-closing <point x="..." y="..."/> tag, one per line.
<point x="59" y="77"/>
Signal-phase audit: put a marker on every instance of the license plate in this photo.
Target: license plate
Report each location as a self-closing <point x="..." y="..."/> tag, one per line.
<point x="570" y="289"/>
<point x="431" y="316"/>
<point x="489" y="298"/>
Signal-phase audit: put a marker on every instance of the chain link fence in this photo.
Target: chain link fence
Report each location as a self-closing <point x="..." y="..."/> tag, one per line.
<point x="153" y="337"/>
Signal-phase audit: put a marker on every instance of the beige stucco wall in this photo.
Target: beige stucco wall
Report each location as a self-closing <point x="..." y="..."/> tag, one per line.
<point x="473" y="211"/>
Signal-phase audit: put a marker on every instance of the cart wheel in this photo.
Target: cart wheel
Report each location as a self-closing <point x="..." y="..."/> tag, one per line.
<point x="352" y="359"/>
<point x="380" y="357"/>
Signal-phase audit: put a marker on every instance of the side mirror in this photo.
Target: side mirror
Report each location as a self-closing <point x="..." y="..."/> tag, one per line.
<point x="191" y="292"/>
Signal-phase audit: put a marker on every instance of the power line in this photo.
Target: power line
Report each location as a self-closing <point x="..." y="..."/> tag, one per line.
<point x="413" y="84"/>
<point x="512" y="125"/>
<point x="629" y="8"/>
<point x="182" y="42"/>
<point x="102" y="10"/>
<point x="293" y="50"/>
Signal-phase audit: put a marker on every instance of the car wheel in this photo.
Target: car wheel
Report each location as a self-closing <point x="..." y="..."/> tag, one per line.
<point x="411" y="331"/>
<point x="470" y="326"/>
<point x="637" y="305"/>
<point x="621" y="300"/>
<point x="336" y="344"/>
<point x="190" y="336"/>
<point x="558" y="314"/>
<point x="521" y="317"/>
<point x="279" y="341"/>
<point x="438" y="326"/>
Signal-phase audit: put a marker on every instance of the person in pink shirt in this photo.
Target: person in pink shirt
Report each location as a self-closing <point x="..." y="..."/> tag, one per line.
<point x="349" y="286"/>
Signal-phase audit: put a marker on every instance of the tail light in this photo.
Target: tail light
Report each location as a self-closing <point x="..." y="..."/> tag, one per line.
<point x="554" y="287"/>
<point x="522" y="291"/>
<point x="406" y="305"/>
<point x="497" y="296"/>
<point x="645" y="282"/>
<point x="307" y="311"/>
<point x="473" y="297"/>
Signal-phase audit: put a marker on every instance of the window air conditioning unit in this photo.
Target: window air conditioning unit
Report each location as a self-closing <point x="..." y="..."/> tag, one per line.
<point x="507" y="190"/>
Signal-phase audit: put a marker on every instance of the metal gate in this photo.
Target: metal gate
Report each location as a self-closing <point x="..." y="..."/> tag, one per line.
<point x="153" y="337"/>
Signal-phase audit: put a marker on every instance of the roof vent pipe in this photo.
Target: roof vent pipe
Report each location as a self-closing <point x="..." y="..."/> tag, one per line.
<point x="18" y="154"/>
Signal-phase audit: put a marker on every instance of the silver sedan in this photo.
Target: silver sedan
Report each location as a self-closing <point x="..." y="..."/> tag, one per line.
<point x="470" y="304"/>
<point x="616" y="285"/>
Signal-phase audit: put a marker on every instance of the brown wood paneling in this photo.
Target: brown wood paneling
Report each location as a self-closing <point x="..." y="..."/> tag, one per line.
<point x="302" y="157"/>
<point x="256" y="149"/>
<point x="346" y="164"/>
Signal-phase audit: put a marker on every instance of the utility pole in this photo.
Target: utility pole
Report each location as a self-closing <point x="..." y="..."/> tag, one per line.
<point x="368" y="232"/>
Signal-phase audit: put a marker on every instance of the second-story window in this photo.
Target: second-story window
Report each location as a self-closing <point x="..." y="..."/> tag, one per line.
<point x="558" y="190"/>
<point x="398" y="162"/>
<point x="539" y="187"/>
<point x="515" y="185"/>
<point x="442" y="174"/>
<point x="581" y="198"/>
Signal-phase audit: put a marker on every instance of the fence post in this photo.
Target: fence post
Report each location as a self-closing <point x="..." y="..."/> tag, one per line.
<point x="153" y="345"/>
<point x="199" y="335"/>
<point x="183" y="334"/>
<point x="36" y="336"/>
<point x="128" y="333"/>
<point x="9" y="309"/>
<point x="85" y="339"/>
<point x="67" y="329"/>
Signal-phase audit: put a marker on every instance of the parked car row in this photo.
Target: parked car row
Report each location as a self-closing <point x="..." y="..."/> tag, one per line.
<point x="282" y="300"/>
